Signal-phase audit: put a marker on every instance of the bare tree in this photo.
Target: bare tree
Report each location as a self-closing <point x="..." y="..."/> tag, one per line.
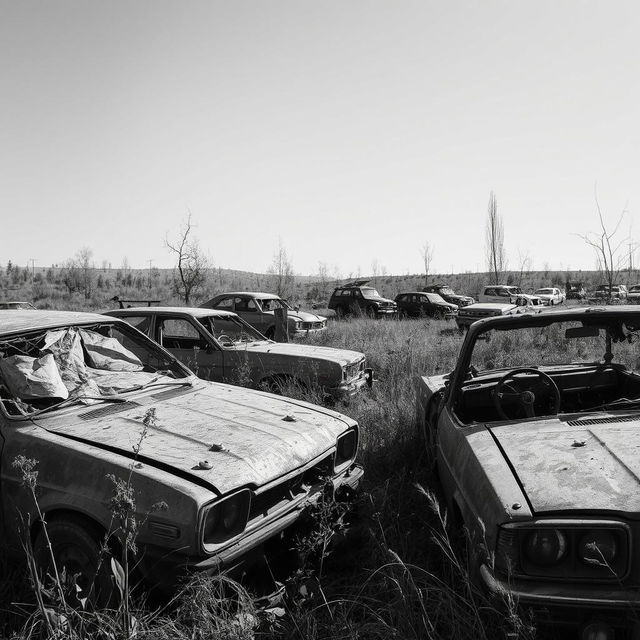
<point x="426" y="251"/>
<point x="524" y="261"/>
<point x="282" y="270"/>
<point x="192" y="266"/>
<point x="609" y="249"/>
<point x="495" y="253"/>
<point x="78" y="273"/>
<point x="323" y="278"/>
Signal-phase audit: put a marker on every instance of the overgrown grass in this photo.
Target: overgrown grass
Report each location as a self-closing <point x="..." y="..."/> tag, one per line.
<point x="399" y="575"/>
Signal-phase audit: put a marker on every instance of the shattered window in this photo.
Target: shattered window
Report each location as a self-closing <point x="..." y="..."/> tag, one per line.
<point x="43" y="369"/>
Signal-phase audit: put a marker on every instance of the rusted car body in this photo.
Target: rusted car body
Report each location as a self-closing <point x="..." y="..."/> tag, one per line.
<point x="539" y="461"/>
<point x="220" y="346"/>
<point x="258" y="309"/>
<point x="233" y="467"/>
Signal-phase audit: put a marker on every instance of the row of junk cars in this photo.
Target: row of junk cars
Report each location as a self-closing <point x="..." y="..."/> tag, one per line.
<point x="535" y="435"/>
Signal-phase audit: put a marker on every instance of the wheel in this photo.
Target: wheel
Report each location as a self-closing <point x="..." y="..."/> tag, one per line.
<point x="340" y="311"/>
<point x="402" y="314"/>
<point x="370" y="312"/>
<point x="78" y="553"/>
<point x="523" y="393"/>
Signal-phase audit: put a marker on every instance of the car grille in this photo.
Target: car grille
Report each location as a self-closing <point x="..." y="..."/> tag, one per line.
<point x="474" y="314"/>
<point x="276" y="498"/>
<point x="320" y="324"/>
<point x="108" y="410"/>
<point x="354" y="370"/>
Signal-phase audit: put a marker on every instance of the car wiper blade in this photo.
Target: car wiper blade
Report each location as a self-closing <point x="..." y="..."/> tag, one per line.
<point x="620" y="402"/>
<point x="156" y="382"/>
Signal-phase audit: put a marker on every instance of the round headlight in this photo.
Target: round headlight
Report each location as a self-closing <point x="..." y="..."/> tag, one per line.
<point x="546" y="547"/>
<point x="598" y="547"/>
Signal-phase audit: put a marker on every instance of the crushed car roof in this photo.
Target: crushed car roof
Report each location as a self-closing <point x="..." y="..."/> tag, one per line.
<point x="12" y="321"/>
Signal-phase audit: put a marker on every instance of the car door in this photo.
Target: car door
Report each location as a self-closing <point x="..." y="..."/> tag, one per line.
<point x="188" y="342"/>
<point x="249" y="311"/>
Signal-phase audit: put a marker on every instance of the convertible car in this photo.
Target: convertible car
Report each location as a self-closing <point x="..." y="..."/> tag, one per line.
<point x="85" y="398"/>
<point x="536" y="439"/>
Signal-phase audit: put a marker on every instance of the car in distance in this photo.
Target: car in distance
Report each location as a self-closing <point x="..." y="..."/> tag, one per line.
<point x="86" y="396"/>
<point x="615" y="293"/>
<point x="550" y="296"/>
<point x="416" y="304"/>
<point x="480" y="310"/>
<point x="258" y="309"/>
<point x="445" y="291"/>
<point x="358" y="298"/>
<point x="506" y="293"/>
<point x="535" y="436"/>
<point x="220" y="346"/>
<point x="633" y="294"/>
<point x="575" y="290"/>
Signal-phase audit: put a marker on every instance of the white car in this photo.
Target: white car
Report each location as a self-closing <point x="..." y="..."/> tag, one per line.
<point x="633" y="295"/>
<point x="479" y="310"/>
<point x="550" y="296"/>
<point x="505" y="293"/>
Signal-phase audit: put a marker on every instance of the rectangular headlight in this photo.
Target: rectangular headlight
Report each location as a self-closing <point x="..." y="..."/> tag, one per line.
<point x="226" y="518"/>
<point x="346" y="448"/>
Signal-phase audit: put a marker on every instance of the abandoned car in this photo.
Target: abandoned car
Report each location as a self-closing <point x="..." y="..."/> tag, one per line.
<point x="613" y="293"/>
<point x="220" y="346"/>
<point x="15" y="305"/>
<point x="258" y="309"/>
<point x="479" y="310"/>
<point x="536" y="439"/>
<point x="445" y="291"/>
<point x="216" y="471"/>
<point x="416" y="304"/>
<point x="550" y="296"/>
<point x="507" y="293"/>
<point x="358" y="298"/>
<point x="633" y="295"/>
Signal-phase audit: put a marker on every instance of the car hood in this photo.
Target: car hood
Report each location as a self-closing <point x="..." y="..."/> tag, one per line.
<point x="581" y="465"/>
<point x="292" y="349"/>
<point x="380" y="299"/>
<point x="248" y="437"/>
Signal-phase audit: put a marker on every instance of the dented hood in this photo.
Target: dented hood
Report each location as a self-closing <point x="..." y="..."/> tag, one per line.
<point x="248" y="437"/>
<point x="579" y="465"/>
<point x="292" y="349"/>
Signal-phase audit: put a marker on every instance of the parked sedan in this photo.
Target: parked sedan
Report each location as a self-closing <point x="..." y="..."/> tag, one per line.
<point x="416" y="304"/>
<point x="85" y="397"/>
<point x="258" y="309"/>
<point x="220" y="346"/>
<point x="550" y="296"/>
<point x="535" y="435"/>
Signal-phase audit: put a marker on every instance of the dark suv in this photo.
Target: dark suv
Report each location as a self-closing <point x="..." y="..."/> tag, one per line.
<point x="355" y="297"/>
<point x="446" y="292"/>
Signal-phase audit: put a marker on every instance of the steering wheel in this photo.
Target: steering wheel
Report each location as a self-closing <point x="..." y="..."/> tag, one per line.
<point x="538" y="397"/>
<point x="225" y="340"/>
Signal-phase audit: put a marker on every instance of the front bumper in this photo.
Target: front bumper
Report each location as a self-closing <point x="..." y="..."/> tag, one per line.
<point x="163" y="569"/>
<point x="571" y="605"/>
<point x="352" y="387"/>
<point x="387" y="312"/>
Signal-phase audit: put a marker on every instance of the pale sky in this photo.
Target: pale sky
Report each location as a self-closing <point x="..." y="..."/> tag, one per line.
<point x="354" y="130"/>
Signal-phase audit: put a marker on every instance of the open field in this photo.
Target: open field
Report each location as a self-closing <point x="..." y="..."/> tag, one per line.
<point x="397" y="577"/>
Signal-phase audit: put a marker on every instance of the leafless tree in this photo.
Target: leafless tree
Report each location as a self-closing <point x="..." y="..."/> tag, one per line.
<point x="78" y="273"/>
<point x="426" y="251"/>
<point x="609" y="249"/>
<point x="524" y="262"/>
<point x="192" y="265"/>
<point x="495" y="252"/>
<point x="282" y="270"/>
<point x="323" y="278"/>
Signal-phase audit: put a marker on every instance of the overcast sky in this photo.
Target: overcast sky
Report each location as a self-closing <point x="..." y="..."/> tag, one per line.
<point x="353" y="130"/>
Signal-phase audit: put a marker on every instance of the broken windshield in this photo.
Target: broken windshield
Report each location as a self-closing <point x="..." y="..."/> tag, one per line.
<point x="45" y="369"/>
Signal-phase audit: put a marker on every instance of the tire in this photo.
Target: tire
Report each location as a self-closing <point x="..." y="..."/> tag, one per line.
<point x="340" y="312"/>
<point x="370" y="312"/>
<point x="77" y="550"/>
